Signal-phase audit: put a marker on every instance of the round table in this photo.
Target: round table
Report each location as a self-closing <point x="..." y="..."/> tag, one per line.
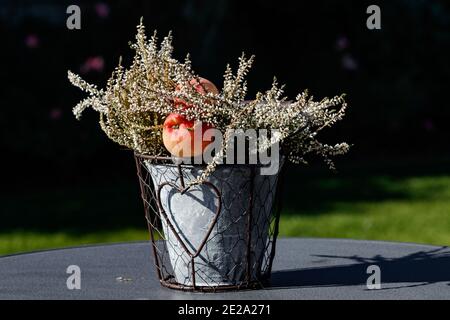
<point x="303" y="269"/>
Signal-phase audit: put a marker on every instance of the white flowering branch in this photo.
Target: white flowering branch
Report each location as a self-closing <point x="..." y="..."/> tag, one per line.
<point x="136" y="101"/>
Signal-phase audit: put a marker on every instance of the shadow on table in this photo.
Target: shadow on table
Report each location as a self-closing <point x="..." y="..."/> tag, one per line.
<point x="420" y="269"/>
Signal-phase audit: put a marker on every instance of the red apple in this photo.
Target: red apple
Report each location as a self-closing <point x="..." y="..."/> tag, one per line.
<point x="201" y="85"/>
<point x="184" y="138"/>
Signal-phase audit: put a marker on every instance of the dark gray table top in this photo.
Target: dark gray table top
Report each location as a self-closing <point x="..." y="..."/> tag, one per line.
<point x="303" y="269"/>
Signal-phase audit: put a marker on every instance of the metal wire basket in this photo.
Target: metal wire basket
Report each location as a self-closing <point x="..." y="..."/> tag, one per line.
<point x="217" y="236"/>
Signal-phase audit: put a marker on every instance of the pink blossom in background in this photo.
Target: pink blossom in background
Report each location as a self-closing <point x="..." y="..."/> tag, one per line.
<point x="349" y="63"/>
<point x="102" y="9"/>
<point x="32" y="41"/>
<point x="342" y="43"/>
<point x="428" y="125"/>
<point x="93" y="64"/>
<point x="55" y="114"/>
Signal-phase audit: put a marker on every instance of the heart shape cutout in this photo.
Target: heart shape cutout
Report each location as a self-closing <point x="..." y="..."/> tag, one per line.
<point x="182" y="191"/>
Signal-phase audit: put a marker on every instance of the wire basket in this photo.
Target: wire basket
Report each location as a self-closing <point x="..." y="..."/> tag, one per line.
<point x="217" y="236"/>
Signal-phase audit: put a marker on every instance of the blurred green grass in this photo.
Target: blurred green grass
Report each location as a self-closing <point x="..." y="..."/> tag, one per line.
<point x="400" y="201"/>
<point x="421" y="214"/>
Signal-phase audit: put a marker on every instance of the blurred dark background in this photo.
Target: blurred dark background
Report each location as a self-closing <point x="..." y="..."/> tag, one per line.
<point x="396" y="80"/>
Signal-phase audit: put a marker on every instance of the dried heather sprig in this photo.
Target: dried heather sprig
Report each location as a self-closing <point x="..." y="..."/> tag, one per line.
<point x="136" y="101"/>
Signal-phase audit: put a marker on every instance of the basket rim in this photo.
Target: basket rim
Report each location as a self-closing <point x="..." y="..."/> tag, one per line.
<point x="169" y="161"/>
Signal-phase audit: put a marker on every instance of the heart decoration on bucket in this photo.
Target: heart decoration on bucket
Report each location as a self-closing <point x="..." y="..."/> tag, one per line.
<point x="183" y="190"/>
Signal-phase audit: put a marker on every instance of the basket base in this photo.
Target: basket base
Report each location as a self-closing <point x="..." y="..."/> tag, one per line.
<point x="252" y="285"/>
